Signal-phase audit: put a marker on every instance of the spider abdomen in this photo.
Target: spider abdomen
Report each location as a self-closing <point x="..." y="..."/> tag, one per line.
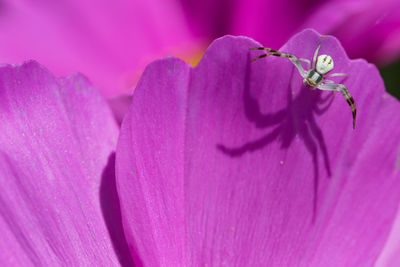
<point x="314" y="78"/>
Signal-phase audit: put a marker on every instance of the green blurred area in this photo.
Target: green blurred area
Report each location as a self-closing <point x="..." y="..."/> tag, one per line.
<point x="391" y="77"/>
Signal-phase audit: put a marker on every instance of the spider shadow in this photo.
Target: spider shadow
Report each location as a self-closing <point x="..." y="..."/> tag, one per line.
<point x="296" y="119"/>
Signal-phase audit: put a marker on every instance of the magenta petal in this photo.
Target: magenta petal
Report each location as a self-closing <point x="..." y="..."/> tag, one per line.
<point x="57" y="135"/>
<point x="159" y="155"/>
<point x="109" y="41"/>
<point x="237" y="163"/>
<point x="390" y="255"/>
<point x="368" y="29"/>
<point x="120" y="106"/>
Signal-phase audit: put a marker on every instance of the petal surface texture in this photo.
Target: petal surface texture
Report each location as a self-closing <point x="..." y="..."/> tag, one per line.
<point x="237" y="163"/>
<point x="56" y="138"/>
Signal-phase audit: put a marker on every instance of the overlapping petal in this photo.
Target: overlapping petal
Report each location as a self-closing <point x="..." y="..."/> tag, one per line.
<point x="237" y="163"/>
<point x="57" y="136"/>
<point x="109" y="41"/>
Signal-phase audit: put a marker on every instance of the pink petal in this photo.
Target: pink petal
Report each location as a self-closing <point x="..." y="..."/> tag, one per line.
<point x="120" y="106"/>
<point x="237" y="163"/>
<point x="111" y="42"/>
<point x="367" y="29"/>
<point x="210" y="18"/>
<point x="161" y="224"/>
<point x="57" y="135"/>
<point x="271" y="22"/>
<point x="390" y="255"/>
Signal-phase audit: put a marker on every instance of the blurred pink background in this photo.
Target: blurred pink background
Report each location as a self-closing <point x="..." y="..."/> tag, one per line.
<point x="112" y="41"/>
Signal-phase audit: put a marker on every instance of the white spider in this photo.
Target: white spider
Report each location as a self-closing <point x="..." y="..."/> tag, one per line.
<point x="315" y="77"/>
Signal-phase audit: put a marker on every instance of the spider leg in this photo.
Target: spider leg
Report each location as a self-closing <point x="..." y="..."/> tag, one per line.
<point x="336" y="74"/>
<point x="277" y="53"/>
<point x="330" y="81"/>
<point x="261" y="56"/>
<point x="306" y="61"/>
<point x="262" y="48"/>
<point x="345" y="93"/>
<point x="315" y="55"/>
<point x="273" y="52"/>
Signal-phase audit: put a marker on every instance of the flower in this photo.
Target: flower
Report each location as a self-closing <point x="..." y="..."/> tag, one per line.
<point x="112" y="42"/>
<point x="237" y="163"/>
<point x="230" y="162"/>
<point x="58" y="204"/>
<point x="366" y="29"/>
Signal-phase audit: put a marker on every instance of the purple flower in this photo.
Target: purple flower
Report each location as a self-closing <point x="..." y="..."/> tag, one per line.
<point x="112" y="41"/>
<point x="57" y="202"/>
<point x="237" y="163"/>
<point x="367" y="29"/>
<point x="230" y="162"/>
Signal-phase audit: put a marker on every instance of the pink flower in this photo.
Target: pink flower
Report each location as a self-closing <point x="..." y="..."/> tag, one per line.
<point x="366" y="29"/>
<point x="237" y="163"/>
<point x="109" y="41"/>
<point x="57" y="138"/>
<point x="112" y="41"/>
<point x="230" y="162"/>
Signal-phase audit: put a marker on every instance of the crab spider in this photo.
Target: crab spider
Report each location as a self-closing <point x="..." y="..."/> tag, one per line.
<point x="316" y="74"/>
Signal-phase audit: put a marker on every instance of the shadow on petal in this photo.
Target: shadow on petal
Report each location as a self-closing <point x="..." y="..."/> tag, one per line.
<point x="296" y="119"/>
<point x="112" y="213"/>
